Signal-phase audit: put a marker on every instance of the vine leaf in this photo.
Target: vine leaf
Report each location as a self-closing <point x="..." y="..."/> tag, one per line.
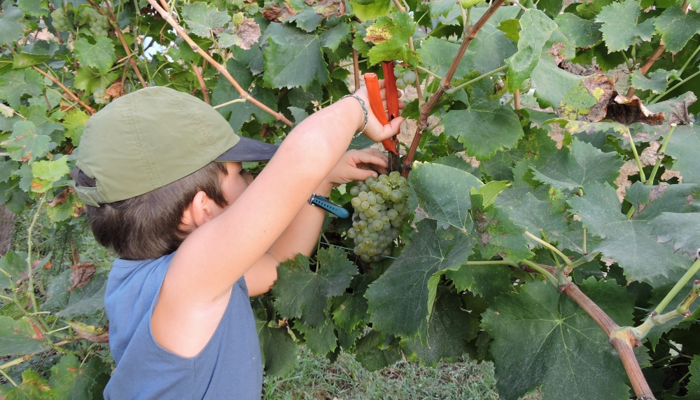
<point x="10" y="28"/>
<point x="71" y="379"/>
<point x="537" y="27"/>
<point x="48" y="172"/>
<point x="321" y="339"/>
<point x="16" y="84"/>
<point x="582" y="32"/>
<point x="18" y="337"/>
<point x="629" y="242"/>
<point x="34" y="53"/>
<point x="539" y="217"/>
<point x="293" y="58"/>
<point x="87" y="300"/>
<point x="694" y="384"/>
<point x="551" y="83"/>
<point x="390" y="35"/>
<point x="650" y="201"/>
<point x="401" y="300"/>
<point x="334" y="37"/>
<point x="542" y="338"/>
<point x="365" y="10"/>
<point x="588" y="99"/>
<point x="443" y="193"/>
<point x="488" y="281"/>
<point x="581" y="164"/>
<point x="449" y="330"/>
<point x="35" y="8"/>
<point x="203" y="18"/>
<point x="499" y="235"/>
<point x="33" y="387"/>
<point x="484" y="131"/>
<point x="14" y="265"/>
<point x="302" y="293"/>
<point x="683" y="229"/>
<point x="25" y="143"/>
<point x="683" y="147"/>
<point x="620" y="27"/>
<point x="377" y="350"/>
<point x="437" y="55"/>
<point x="656" y="81"/>
<point x="677" y="27"/>
<point x="307" y="20"/>
<point x="279" y="352"/>
<point x="100" y="55"/>
<point x="491" y="46"/>
<point x="350" y="309"/>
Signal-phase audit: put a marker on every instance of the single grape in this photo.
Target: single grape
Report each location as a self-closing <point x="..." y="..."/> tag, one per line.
<point x="400" y="84"/>
<point x="409" y="76"/>
<point x="354" y="191"/>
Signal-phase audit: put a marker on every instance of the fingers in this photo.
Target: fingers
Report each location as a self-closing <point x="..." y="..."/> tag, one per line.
<point x="370" y="156"/>
<point x="363" y="174"/>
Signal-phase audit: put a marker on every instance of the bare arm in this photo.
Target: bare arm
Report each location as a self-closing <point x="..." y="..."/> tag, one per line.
<point x="197" y="285"/>
<point x="302" y="234"/>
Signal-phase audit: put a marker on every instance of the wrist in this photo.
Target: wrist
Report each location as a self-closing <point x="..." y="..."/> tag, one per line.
<point x="324" y="189"/>
<point x="363" y="116"/>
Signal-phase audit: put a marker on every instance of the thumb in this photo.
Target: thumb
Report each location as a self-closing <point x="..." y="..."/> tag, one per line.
<point x="393" y="127"/>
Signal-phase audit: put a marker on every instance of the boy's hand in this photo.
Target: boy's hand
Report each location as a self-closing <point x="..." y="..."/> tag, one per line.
<point x="375" y="130"/>
<point x="355" y="165"/>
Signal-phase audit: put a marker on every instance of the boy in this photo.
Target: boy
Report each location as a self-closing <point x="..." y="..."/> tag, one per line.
<point x="161" y="174"/>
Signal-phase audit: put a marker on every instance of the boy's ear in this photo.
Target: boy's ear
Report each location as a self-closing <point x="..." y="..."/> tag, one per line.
<point x="200" y="211"/>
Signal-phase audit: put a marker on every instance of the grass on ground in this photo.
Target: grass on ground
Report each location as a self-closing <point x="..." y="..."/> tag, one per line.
<point x="316" y="378"/>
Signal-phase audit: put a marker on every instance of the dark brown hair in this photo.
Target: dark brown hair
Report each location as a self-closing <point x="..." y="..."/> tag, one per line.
<point x="149" y="226"/>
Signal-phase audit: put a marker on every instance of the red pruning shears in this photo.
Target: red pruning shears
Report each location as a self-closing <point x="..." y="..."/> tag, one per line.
<point x="392" y="105"/>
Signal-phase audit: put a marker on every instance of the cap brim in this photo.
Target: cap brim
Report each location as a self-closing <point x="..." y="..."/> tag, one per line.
<point x="248" y="149"/>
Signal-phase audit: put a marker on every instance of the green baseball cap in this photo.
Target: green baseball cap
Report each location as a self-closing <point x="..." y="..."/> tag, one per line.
<point x="152" y="137"/>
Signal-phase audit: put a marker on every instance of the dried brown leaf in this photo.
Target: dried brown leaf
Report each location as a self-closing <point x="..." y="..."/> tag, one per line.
<point x="95" y="334"/>
<point x="248" y="32"/>
<point x="81" y="276"/>
<point x="115" y="91"/>
<point x="628" y="111"/>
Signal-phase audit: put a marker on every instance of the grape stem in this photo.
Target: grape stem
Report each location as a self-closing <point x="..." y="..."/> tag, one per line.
<point x="564" y="258"/>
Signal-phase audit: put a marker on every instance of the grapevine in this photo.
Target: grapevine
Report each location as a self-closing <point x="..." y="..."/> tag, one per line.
<point x="380" y="209"/>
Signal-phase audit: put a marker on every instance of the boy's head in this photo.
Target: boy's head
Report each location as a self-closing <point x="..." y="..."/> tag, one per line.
<point x="143" y="157"/>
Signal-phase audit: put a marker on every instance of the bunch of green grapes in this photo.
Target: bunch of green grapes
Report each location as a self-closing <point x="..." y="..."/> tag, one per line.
<point x="97" y="23"/>
<point x="99" y="95"/>
<point x="406" y="79"/>
<point x="380" y="209"/>
<point x="60" y="20"/>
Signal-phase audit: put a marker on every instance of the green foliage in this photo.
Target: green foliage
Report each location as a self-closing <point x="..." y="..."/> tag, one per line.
<point x="510" y="177"/>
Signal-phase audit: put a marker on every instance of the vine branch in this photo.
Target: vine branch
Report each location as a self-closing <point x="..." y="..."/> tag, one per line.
<point x="244" y="95"/>
<point x="444" y="84"/>
<point x="202" y="85"/>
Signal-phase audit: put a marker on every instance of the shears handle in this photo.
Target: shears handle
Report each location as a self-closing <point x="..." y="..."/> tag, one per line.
<point x="375" y="103"/>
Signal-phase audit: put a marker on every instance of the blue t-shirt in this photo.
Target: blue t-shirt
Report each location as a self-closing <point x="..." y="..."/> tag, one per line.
<point x="229" y="366"/>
